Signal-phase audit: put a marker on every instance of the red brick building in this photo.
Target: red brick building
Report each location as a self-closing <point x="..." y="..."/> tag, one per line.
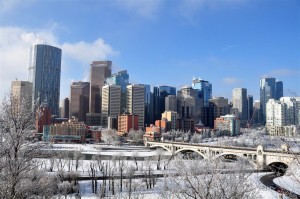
<point x="127" y="122"/>
<point x="43" y="117"/>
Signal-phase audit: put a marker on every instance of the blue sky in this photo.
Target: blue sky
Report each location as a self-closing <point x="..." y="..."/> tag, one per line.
<point x="231" y="43"/>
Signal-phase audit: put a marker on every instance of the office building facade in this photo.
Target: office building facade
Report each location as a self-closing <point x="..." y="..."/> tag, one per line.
<point x="269" y="89"/>
<point x="135" y="102"/>
<point x="99" y="71"/>
<point x="171" y="103"/>
<point x="111" y="102"/>
<point x="21" y="90"/>
<point x="65" y="108"/>
<point x="239" y="102"/>
<point x="44" y="73"/>
<point x="79" y="100"/>
<point x="228" y="125"/>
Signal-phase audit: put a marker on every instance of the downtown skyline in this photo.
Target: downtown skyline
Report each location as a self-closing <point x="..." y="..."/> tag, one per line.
<point x="231" y="44"/>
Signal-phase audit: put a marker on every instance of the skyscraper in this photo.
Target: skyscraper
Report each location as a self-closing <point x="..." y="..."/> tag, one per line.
<point x="100" y="70"/>
<point x="148" y="105"/>
<point x="250" y="109"/>
<point x="120" y="78"/>
<point x="21" y="90"/>
<point x="278" y="90"/>
<point x="202" y="98"/>
<point x="220" y="106"/>
<point x="205" y="90"/>
<point x="171" y="103"/>
<point x="164" y="91"/>
<point x="111" y="102"/>
<point x="156" y="105"/>
<point x="44" y="73"/>
<point x="135" y="102"/>
<point x="269" y="89"/>
<point x="65" y="108"/>
<point x="239" y="101"/>
<point x="79" y="100"/>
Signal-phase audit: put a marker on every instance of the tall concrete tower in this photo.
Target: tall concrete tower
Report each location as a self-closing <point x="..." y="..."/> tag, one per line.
<point x="135" y="102"/>
<point x="100" y="70"/>
<point x="239" y="102"/>
<point x="111" y="102"/>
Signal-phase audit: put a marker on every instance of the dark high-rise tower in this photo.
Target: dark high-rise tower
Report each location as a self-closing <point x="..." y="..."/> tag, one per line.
<point x="100" y="70"/>
<point x="165" y="91"/>
<point x="65" y="108"/>
<point x="156" y="105"/>
<point x="278" y="90"/>
<point x="44" y="73"/>
<point x="250" y="108"/>
<point x="79" y="100"/>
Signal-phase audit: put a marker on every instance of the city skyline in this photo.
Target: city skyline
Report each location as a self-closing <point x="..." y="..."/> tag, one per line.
<point x="231" y="44"/>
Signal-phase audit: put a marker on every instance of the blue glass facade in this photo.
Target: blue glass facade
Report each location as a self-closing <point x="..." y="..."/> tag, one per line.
<point x="44" y="73"/>
<point x="267" y="91"/>
<point x="148" y="107"/>
<point x="168" y="89"/>
<point x="120" y="78"/>
<point x="165" y="91"/>
<point x="278" y="90"/>
<point x="205" y="90"/>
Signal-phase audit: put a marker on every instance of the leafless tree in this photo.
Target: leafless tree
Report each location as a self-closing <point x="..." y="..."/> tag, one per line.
<point x="110" y="136"/>
<point x="19" y="174"/>
<point x="77" y="157"/>
<point x="204" y="179"/>
<point x="135" y="136"/>
<point x="92" y="173"/>
<point x="130" y="173"/>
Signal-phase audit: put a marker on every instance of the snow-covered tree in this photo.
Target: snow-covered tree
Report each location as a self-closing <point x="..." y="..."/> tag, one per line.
<point x="110" y="136"/>
<point x="19" y="174"/>
<point x="204" y="179"/>
<point x="135" y="136"/>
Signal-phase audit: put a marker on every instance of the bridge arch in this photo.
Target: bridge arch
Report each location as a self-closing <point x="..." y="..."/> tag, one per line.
<point x="194" y="150"/>
<point x="278" y="166"/>
<point x="161" y="146"/>
<point x="242" y="156"/>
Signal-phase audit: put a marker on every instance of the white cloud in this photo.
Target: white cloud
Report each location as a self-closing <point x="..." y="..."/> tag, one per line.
<point x="86" y="52"/>
<point x="144" y="8"/>
<point x="231" y="80"/>
<point x="14" y="53"/>
<point x="284" y="72"/>
<point x="15" y="43"/>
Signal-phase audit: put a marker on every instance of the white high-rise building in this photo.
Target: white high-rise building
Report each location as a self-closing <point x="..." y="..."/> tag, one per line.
<point x="275" y="113"/>
<point x="111" y="102"/>
<point x="135" y="102"/>
<point x="239" y="101"/>
<point x="281" y="113"/>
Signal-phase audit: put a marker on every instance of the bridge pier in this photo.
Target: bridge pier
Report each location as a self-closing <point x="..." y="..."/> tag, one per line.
<point x="261" y="158"/>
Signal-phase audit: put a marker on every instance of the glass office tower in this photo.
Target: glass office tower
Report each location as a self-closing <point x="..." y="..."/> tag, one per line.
<point x="267" y="91"/>
<point x="44" y="73"/>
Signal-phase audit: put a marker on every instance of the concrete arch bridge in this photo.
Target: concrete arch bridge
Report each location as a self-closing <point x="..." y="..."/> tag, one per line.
<point x="259" y="156"/>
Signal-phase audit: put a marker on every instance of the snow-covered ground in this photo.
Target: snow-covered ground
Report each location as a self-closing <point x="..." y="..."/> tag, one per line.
<point x="155" y="192"/>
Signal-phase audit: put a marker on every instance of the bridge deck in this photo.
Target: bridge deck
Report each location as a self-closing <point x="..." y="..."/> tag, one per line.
<point x="224" y="147"/>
